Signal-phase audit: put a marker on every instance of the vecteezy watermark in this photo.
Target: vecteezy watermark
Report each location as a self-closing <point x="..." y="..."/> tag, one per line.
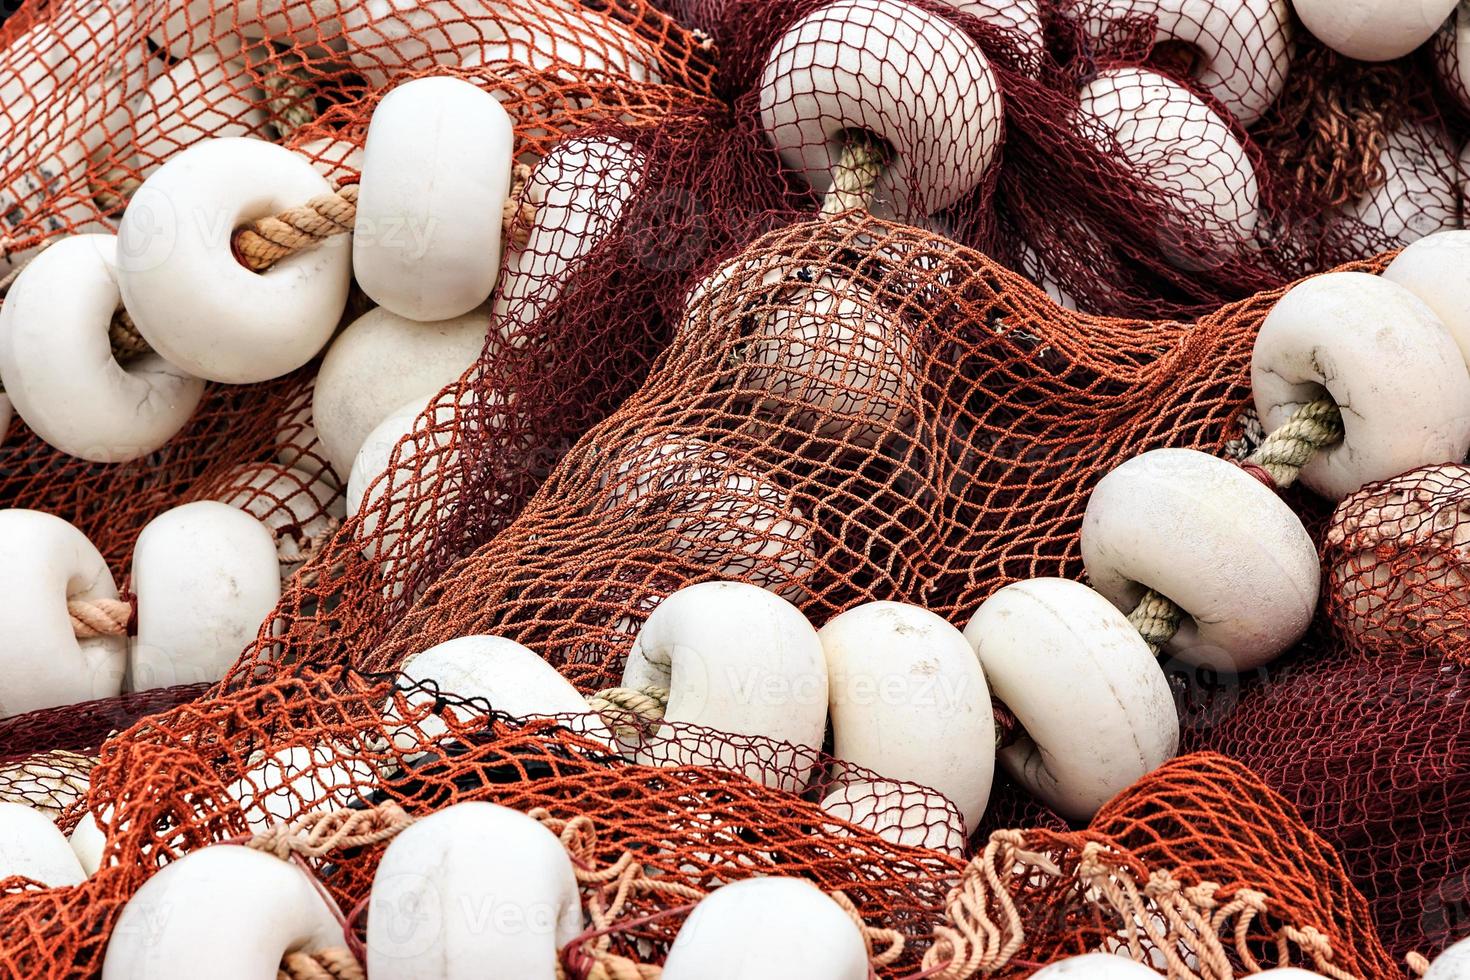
<point x="1446" y="913"/>
<point x="938" y="693"/>
<point x="1207" y="686"/>
<point x="154" y="229"/>
<point x="765" y="688"/>
<point x="410" y="236"/>
<point x="411" y="913"/>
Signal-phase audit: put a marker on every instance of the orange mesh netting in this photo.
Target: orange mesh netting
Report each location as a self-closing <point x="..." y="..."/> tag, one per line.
<point x="572" y="349"/>
<point x="224" y="768"/>
<point x="1198" y="869"/>
<point x="951" y="455"/>
<point x="955" y="456"/>
<point x="175" y="782"/>
<point x="105" y="92"/>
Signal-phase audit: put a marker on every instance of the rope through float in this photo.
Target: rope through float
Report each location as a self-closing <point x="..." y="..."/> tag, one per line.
<point x="260" y="244"/>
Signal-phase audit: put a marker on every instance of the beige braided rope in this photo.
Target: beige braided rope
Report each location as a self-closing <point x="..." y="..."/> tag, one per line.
<point x="1157" y="619"/>
<point x="628" y="710"/>
<point x="891" y="939"/>
<point x="99" y="617"/>
<point x="615" y="968"/>
<point x="336" y="963"/>
<point x="1281" y="456"/>
<point x="314" y="835"/>
<point x="1311" y="428"/>
<point x="612" y="888"/>
<point x="970" y="940"/>
<point x="265" y="241"/>
<point x="615" y="885"/>
<point x="518" y="214"/>
<point x="855" y="175"/>
<point x="262" y="243"/>
<point x="126" y="342"/>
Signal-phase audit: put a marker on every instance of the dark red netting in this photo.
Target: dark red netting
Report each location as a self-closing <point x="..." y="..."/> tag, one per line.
<point x="1367" y="730"/>
<point x="84" y="727"/>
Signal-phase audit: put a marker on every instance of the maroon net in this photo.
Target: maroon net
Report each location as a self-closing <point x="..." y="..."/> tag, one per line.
<point x="1368" y="732"/>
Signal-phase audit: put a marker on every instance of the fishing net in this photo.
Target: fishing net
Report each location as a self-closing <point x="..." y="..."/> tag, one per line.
<point x="1368" y="733"/>
<point x="1201" y="830"/>
<point x="1325" y="160"/>
<point x="951" y="455"/>
<point x="834" y="410"/>
<point x="1156" y="162"/>
<point x="84" y="727"/>
<point x="954" y="456"/>
<point x="1198" y="869"/>
<point x="224" y="767"/>
<point x="100" y="94"/>
<point x="574" y="347"/>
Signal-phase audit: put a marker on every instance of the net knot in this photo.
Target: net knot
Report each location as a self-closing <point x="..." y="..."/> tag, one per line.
<point x="1417" y="963"/>
<point x="314" y="835"/>
<point x="1203" y="895"/>
<point x="306" y="547"/>
<point x="1161" y="884"/>
<point x="1312" y="942"/>
<point x="1091" y="865"/>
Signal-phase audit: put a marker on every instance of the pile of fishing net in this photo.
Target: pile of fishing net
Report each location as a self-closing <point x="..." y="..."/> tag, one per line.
<point x="1199" y="861"/>
<point x="637" y="426"/>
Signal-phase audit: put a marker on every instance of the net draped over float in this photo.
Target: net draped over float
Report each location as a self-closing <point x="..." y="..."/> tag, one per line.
<point x="726" y="490"/>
